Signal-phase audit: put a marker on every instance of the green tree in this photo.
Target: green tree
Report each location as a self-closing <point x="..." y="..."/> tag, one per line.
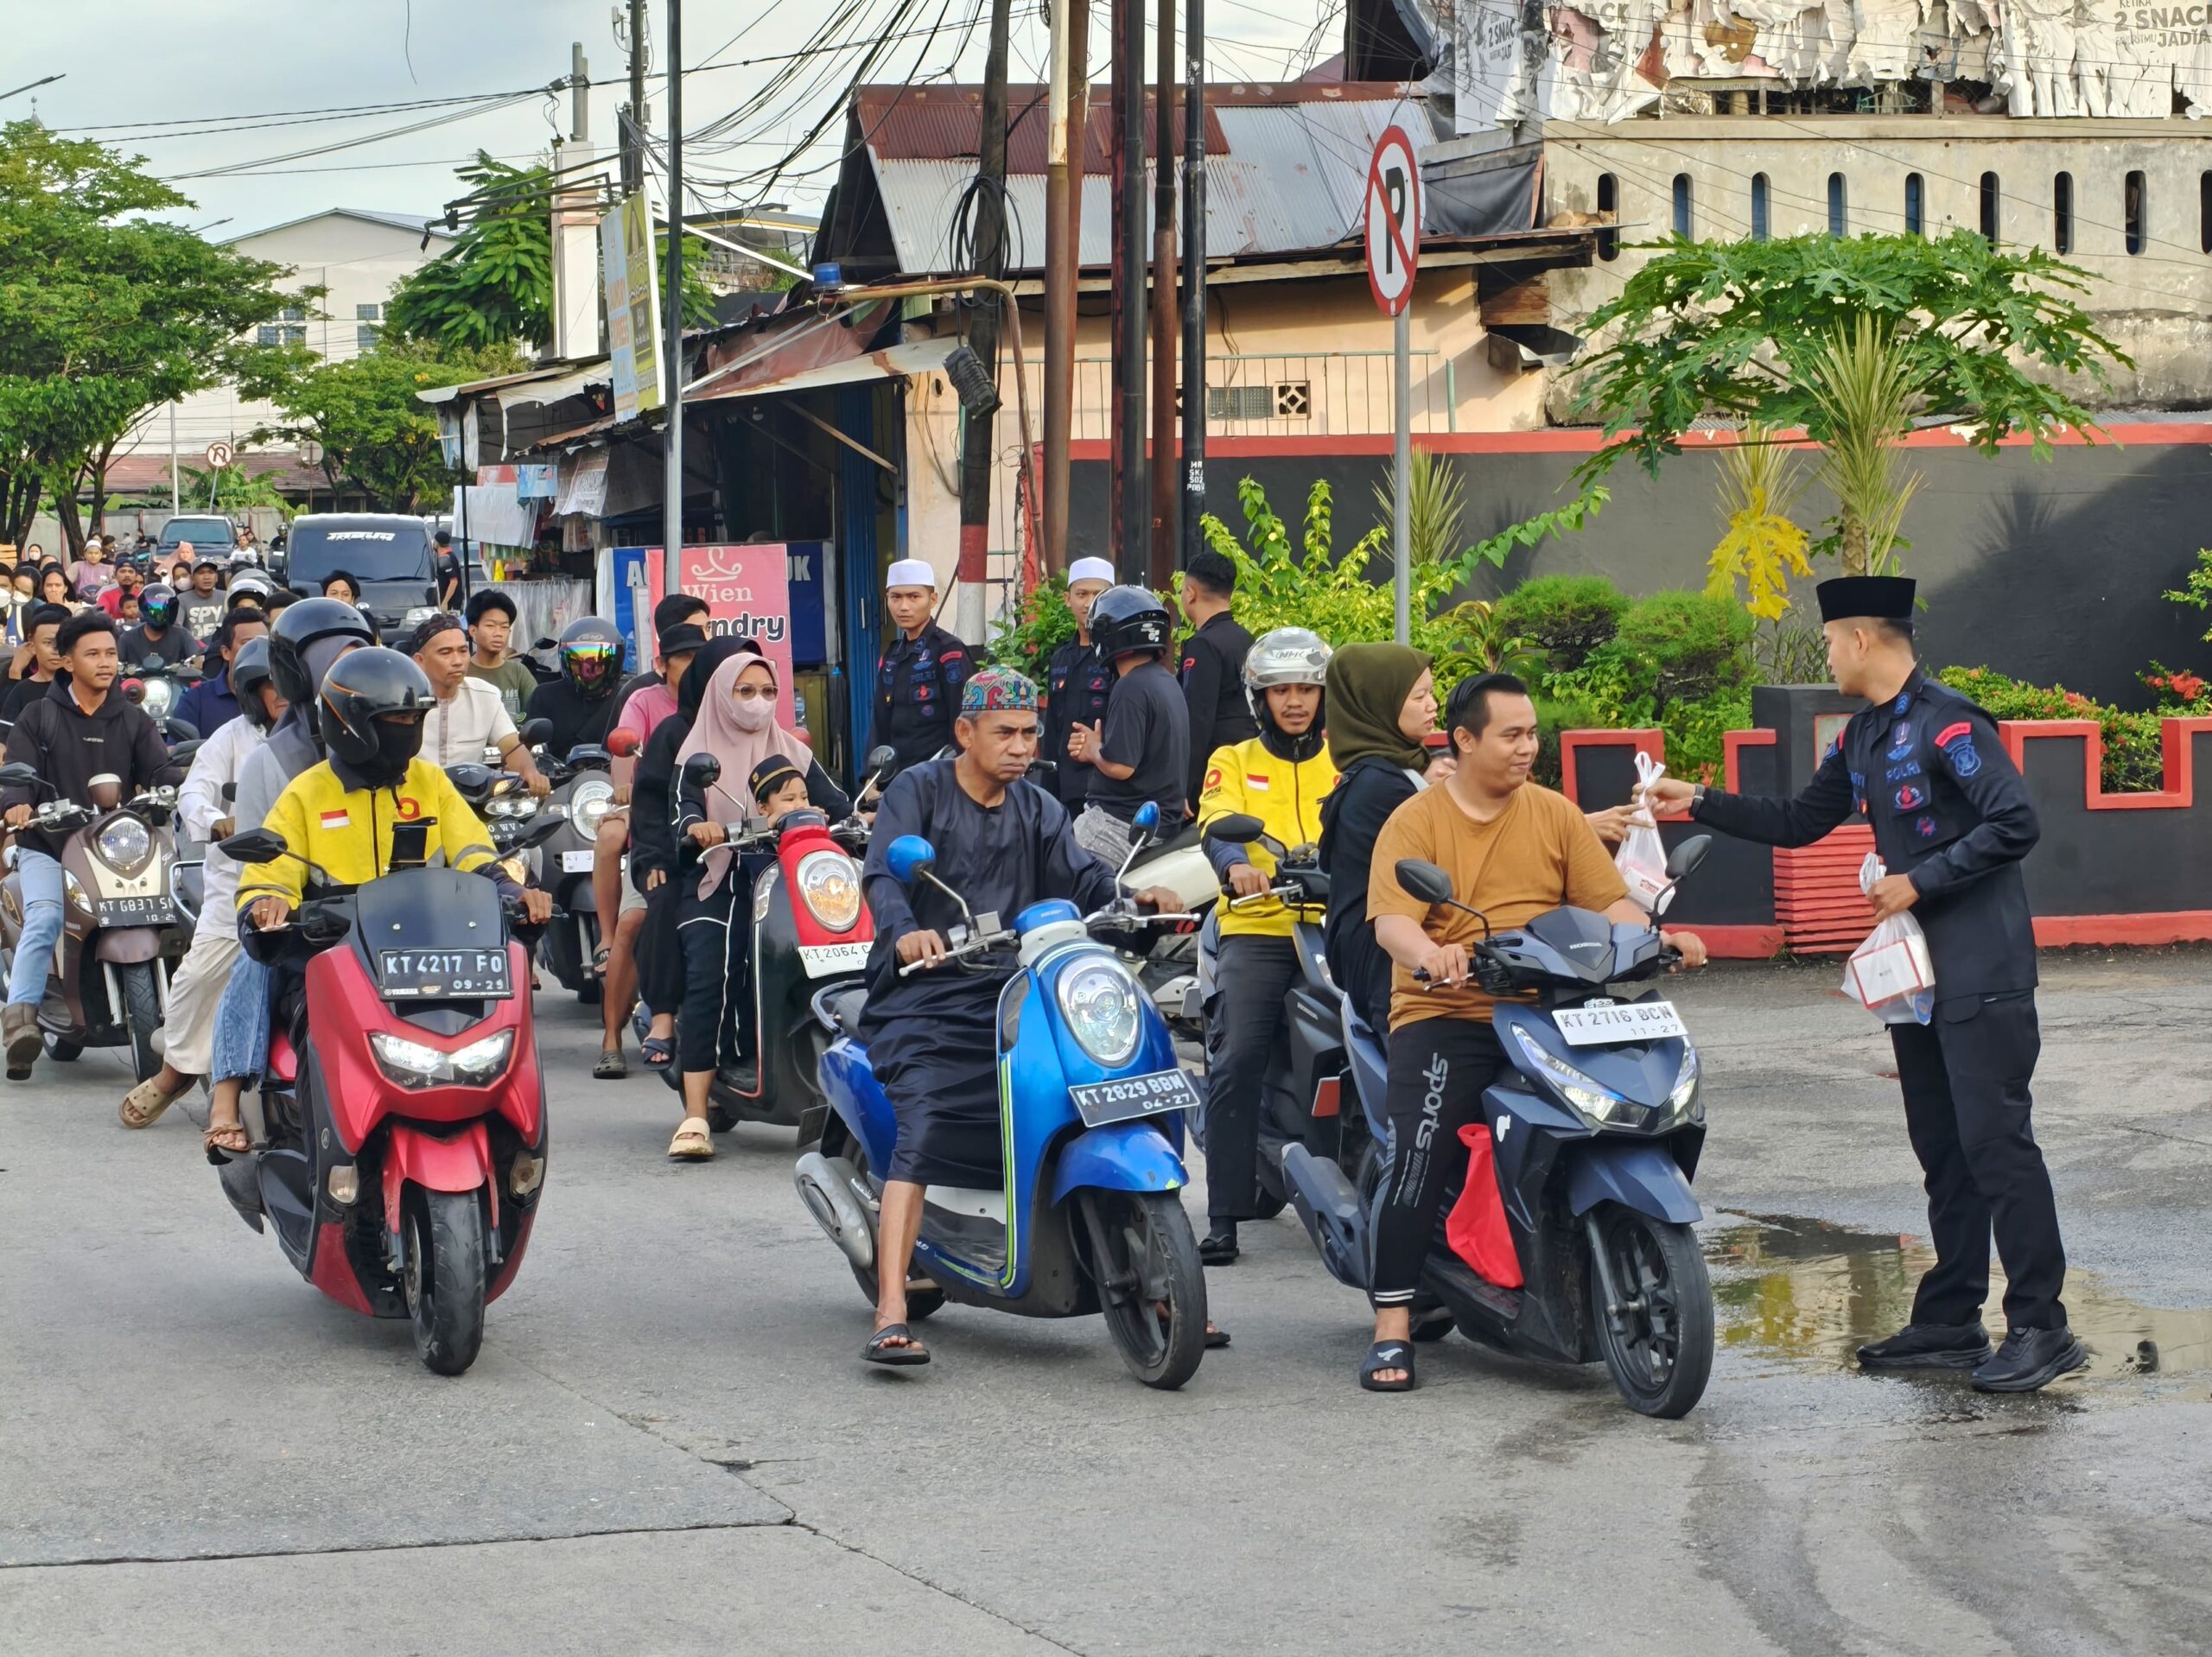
<point x="104" y="315"/>
<point x="1850" y="338"/>
<point x="493" y="286"/>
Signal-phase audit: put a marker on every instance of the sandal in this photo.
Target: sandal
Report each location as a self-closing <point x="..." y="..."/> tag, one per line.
<point x="224" y="1140"/>
<point x="1217" y="1337"/>
<point x="598" y="959"/>
<point x="692" y="1143"/>
<point x="144" y="1105"/>
<point x="1387" y="1355"/>
<point x="612" y="1067"/>
<point x="657" y="1051"/>
<point x="879" y="1349"/>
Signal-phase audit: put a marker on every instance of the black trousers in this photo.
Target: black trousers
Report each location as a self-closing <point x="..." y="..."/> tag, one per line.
<point x="1966" y="1078"/>
<point x="1253" y="974"/>
<point x="659" y="952"/>
<point x="1439" y="1068"/>
<point x="713" y="987"/>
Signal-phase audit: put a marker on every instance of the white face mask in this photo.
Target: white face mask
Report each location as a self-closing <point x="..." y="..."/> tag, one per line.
<point x="756" y="714"/>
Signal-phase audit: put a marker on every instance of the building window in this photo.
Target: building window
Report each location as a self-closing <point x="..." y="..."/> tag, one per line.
<point x="269" y="335"/>
<point x="296" y="336"/>
<point x="2138" y="234"/>
<point x="1839" y="207"/>
<point x="1759" y="213"/>
<point x="293" y="314"/>
<point x="368" y="313"/>
<point x="1685" y="208"/>
<point x="1609" y="208"/>
<point x="1992" y="201"/>
<point x="2062" y="213"/>
<point x="1916" y="199"/>
<point x="366" y="336"/>
<point x="1240" y="403"/>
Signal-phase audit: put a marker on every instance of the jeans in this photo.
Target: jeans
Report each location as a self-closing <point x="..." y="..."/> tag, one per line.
<point x="241" y="1023"/>
<point x="39" y="878"/>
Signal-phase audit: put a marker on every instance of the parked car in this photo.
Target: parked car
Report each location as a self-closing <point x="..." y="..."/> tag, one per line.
<point x="390" y="555"/>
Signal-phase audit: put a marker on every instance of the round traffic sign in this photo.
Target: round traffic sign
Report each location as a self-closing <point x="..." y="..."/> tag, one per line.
<point x="1393" y="221"/>
<point x="220" y="453"/>
<point x="310" y="452"/>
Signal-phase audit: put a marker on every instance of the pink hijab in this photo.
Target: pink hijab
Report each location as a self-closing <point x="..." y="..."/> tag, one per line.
<point x="717" y="731"/>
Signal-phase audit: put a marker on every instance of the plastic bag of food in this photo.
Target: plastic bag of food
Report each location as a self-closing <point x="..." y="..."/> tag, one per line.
<point x="1641" y="858"/>
<point x="1890" y="973"/>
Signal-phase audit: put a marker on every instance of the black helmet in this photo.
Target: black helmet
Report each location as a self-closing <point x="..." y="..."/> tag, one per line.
<point x="1128" y="619"/>
<point x="157" y="606"/>
<point x="297" y="627"/>
<point x="591" y="656"/>
<point x="249" y="672"/>
<point x="370" y="711"/>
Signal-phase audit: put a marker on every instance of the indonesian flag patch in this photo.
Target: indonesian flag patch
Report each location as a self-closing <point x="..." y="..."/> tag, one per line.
<point x="337" y="819"/>
<point x="1260" y="783"/>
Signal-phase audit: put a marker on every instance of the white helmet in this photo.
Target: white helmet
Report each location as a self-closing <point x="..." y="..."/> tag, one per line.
<point x="1288" y="656"/>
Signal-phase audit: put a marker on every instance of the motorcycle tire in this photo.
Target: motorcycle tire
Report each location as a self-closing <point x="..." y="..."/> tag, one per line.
<point x="719" y="1120"/>
<point x="1661" y="1360"/>
<point x="142" y="1015"/>
<point x="1272" y="1198"/>
<point x="445" y="1278"/>
<point x="66" y="1052"/>
<point x="1150" y="1234"/>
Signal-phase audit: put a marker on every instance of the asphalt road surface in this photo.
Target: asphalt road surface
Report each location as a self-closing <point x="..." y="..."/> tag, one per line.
<point x="670" y="1444"/>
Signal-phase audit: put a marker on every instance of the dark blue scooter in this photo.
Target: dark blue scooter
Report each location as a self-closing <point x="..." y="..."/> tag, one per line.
<point x="1089" y="1218"/>
<point x="1594" y="1135"/>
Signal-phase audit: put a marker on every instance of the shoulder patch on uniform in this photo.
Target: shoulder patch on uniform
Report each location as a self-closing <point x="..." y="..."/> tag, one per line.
<point x="1834" y="747"/>
<point x="1951" y="733"/>
<point x="1213" y="778"/>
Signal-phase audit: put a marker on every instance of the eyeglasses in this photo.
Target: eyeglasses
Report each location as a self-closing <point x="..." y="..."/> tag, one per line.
<point x="755" y="693"/>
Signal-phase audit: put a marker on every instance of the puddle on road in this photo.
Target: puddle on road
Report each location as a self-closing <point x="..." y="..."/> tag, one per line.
<point x="1811" y="1292"/>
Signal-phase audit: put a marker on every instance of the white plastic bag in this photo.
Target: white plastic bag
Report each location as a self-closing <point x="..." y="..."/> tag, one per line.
<point x="1641" y="858"/>
<point x="1890" y="973"/>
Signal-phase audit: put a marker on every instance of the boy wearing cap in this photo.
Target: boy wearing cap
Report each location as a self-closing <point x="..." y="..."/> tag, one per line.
<point x="919" y="677"/>
<point x="1952" y="821"/>
<point x="1077" y="684"/>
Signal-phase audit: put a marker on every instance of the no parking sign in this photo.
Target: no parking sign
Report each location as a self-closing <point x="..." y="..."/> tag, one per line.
<point x="1393" y="221"/>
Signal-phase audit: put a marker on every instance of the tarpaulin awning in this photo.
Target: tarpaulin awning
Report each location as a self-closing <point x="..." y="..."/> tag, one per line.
<point x="914" y="357"/>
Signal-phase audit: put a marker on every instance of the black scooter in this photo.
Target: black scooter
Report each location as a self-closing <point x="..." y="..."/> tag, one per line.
<point x="1593" y="1133"/>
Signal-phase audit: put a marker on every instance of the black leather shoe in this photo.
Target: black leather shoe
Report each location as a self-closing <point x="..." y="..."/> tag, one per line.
<point x="1929" y="1346"/>
<point x="2029" y="1359"/>
<point x="1219" y="1247"/>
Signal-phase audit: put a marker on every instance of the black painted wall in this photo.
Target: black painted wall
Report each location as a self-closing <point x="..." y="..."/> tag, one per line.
<point x="2114" y="862"/>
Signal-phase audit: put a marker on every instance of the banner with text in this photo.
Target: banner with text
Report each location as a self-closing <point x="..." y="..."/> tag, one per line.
<point x="748" y="595"/>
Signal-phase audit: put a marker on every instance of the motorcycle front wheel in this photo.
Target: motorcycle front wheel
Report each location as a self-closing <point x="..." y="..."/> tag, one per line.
<point x="1152" y="1261"/>
<point x="142" y="1015"/>
<point x="1657" y="1344"/>
<point x="445" y="1277"/>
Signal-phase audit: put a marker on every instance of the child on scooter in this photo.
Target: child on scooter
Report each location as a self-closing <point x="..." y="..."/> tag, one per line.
<point x="778" y="788"/>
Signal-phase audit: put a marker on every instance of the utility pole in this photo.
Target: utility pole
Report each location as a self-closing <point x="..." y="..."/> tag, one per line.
<point x="984" y="259"/>
<point x="1160" y="478"/>
<point x="1194" y="274"/>
<point x="672" y="398"/>
<point x="1130" y="508"/>
<point x="633" y="118"/>
<point x="1068" y="112"/>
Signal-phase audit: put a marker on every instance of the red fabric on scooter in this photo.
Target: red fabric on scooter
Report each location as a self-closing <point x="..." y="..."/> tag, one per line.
<point x="1476" y="1228"/>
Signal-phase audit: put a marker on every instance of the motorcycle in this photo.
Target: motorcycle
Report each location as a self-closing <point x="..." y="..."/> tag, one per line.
<point x="404" y="1140"/>
<point x="157" y="687"/>
<point x="1090" y="1219"/>
<point x="120" y="936"/>
<point x="582" y="795"/>
<point x="1591" y="1139"/>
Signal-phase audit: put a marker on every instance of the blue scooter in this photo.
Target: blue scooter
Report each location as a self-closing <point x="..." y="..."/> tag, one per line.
<point x="1594" y="1133"/>
<point x="1089" y="1218"/>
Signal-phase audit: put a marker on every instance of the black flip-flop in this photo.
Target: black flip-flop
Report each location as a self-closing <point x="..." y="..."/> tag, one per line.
<point x="898" y="1356"/>
<point x="658" y="1051"/>
<point x="611" y="1066"/>
<point x="1216" y="1339"/>
<point x="1387" y="1355"/>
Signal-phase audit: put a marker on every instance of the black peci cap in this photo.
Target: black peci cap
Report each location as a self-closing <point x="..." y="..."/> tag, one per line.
<point x="1885" y="598"/>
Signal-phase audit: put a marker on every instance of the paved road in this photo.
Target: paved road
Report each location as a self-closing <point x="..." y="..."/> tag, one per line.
<point x="668" y="1445"/>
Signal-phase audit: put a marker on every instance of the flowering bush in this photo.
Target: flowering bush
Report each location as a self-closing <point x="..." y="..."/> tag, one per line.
<point x="2179" y="690"/>
<point x="2134" y="755"/>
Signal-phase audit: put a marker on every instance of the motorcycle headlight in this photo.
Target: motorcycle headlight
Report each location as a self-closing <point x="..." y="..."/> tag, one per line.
<point x="414" y="1066"/>
<point x="125" y="845"/>
<point x="831" y="886"/>
<point x="592" y="798"/>
<point x="1597" y="1104"/>
<point x="1685" y="1103"/>
<point x="1099" y="1002"/>
<point x="159" y="699"/>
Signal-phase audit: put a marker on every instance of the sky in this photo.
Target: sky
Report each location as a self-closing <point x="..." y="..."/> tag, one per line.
<point x="153" y="76"/>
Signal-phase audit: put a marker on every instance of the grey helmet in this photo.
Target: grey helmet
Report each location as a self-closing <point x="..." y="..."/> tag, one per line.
<point x="1288" y="656"/>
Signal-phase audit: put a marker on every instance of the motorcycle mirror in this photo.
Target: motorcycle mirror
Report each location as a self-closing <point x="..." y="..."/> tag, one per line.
<point x="910" y="858"/>
<point x="472" y="781"/>
<point x="134" y="691"/>
<point x="882" y="761"/>
<point x="1043" y="771"/>
<point x="1237" y="826"/>
<point x="1424" y="880"/>
<point x="254" y="846"/>
<point x="1147" y="817"/>
<point x="621" y="742"/>
<point x="702" y="771"/>
<point x="183" y="751"/>
<point x="547" y="645"/>
<point x="543" y="828"/>
<point x="535" y="731"/>
<point x="1682" y="861"/>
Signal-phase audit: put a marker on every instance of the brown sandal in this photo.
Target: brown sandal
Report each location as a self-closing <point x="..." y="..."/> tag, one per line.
<point x="224" y="1132"/>
<point x="143" y="1106"/>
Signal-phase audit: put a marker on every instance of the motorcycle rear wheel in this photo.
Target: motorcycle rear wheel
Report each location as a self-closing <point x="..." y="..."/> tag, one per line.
<point x="1661" y="1360"/>
<point x="1149" y="1236"/>
<point x="142" y="1015"/>
<point x="445" y="1277"/>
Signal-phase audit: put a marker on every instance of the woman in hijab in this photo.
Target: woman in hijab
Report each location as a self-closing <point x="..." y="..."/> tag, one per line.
<point x="737" y="725"/>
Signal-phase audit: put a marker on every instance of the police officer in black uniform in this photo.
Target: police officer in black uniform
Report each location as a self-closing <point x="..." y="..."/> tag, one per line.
<point x="1212" y="665"/>
<point x="1077" y="683"/>
<point x="1952" y="821"/>
<point x="919" y="677"/>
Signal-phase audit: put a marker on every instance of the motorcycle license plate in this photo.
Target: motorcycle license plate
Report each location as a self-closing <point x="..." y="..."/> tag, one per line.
<point x="432" y="975"/>
<point x="154" y="909"/>
<point x="1132" y="1097"/>
<point x="1624" y="1022"/>
<point x="576" y="862"/>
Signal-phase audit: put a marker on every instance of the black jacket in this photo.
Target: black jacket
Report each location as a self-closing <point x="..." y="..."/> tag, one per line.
<point x="576" y="719"/>
<point x="68" y="747"/>
<point x="917" y="685"/>
<point x="1353" y="815"/>
<point x="1077" y="686"/>
<point x="1949" y="807"/>
<point x="1213" y="673"/>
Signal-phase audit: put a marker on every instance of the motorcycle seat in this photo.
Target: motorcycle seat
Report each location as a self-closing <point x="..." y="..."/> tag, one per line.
<point x="1181" y="841"/>
<point x="839" y="1006"/>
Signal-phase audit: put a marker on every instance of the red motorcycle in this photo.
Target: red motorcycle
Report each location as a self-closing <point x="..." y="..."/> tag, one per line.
<point x="403" y="1106"/>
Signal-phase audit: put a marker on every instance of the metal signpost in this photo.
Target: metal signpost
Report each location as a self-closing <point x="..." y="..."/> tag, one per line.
<point x="1393" y="251"/>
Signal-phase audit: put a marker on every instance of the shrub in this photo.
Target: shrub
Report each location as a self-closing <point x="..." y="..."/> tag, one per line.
<point x="2134" y="755"/>
<point x="1040" y="626"/>
<point x="1566" y="617"/>
<point x="1682" y="646"/>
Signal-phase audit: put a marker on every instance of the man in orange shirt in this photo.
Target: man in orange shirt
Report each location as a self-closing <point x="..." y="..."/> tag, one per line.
<point x="1514" y="849"/>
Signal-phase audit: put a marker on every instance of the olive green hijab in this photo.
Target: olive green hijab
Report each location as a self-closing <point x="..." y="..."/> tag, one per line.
<point x="1368" y="685"/>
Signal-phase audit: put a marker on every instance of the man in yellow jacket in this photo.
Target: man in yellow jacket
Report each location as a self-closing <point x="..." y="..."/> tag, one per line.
<point x="1281" y="777"/>
<point x="339" y="818"/>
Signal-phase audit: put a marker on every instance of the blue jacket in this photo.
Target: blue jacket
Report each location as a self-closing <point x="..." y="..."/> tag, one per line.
<point x="209" y="706"/>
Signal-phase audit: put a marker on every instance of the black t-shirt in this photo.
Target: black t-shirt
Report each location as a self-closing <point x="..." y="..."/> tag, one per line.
<point x="576" y="718"/>
<point x="1147" y="725"/>
<point x="20" y="695"/>
<point x="174" y="646"/>
<point x="449" y="579"/>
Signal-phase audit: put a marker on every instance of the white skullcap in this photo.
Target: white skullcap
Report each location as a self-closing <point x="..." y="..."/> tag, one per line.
<point x="912" y="572"/>
<point x="1090" y="570"/>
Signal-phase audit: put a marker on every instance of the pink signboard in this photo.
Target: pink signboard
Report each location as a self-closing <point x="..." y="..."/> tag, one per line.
<point x="747" y="590"/>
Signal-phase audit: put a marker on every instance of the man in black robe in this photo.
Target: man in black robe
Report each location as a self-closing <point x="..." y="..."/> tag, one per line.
<point x="1003" y="843"/>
